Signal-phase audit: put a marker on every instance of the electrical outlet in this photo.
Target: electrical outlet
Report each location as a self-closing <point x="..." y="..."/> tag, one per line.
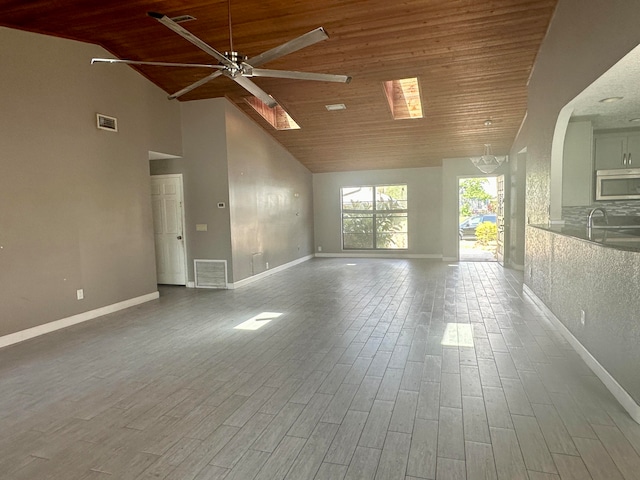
<point x="583" y="318"/>
<point x="319" y="249"/>
<point x="267" y="264"/>
<point x="80" y="293"/>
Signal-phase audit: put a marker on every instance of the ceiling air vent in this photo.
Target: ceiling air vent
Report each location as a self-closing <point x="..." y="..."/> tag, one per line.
<point x="183" y="18"/>
<point x="107" y="123"/>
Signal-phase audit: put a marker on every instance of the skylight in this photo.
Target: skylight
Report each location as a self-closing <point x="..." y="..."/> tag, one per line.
<point x="277" y="117"/>
<point x="404" y="98"/>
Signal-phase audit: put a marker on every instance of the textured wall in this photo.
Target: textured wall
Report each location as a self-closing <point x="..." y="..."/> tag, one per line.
<point x="583" y="41"/>
<point x="76" y="205"/>
<point x="570" y="275"/>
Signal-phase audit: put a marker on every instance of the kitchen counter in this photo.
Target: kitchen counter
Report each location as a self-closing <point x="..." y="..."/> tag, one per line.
<point x="627" y="240"/>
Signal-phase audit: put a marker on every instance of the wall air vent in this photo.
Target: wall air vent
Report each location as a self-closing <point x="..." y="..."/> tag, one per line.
<point x="210" y="273"/>
<point x="106" y="123"/>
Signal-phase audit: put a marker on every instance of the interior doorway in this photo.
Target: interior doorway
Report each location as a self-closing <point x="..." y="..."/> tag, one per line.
<point x="481" y="218"/>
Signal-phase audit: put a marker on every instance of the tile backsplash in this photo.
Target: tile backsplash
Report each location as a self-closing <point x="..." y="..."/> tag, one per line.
<point x="577" y="216"/>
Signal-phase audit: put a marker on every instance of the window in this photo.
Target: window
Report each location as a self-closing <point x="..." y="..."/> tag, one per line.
<point x="374" y="217"/>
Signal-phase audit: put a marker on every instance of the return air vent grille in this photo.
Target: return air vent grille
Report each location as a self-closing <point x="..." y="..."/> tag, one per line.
<point x="210" y="273"/>
<point x="183" y="18"/>
<point x="107" y="123"/>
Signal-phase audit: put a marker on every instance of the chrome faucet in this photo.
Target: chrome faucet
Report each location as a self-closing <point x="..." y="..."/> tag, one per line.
<point x="590" y="219"/>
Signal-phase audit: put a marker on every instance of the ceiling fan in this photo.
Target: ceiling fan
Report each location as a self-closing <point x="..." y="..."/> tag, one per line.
<point x="238" y="67"/>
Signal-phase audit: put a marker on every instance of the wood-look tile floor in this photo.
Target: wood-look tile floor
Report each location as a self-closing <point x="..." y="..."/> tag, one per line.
<point x="361" y="369"/>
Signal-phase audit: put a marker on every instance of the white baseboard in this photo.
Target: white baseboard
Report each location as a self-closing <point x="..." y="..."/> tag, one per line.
<point x="266" y="273"/>
<point x="378" y="255"/>
<point x="191" y="284"/>
<point x="449" y="259"/>
<point x="516" y="266"/>
<point x="626" y="400"/>
<point x="23" y="335"/>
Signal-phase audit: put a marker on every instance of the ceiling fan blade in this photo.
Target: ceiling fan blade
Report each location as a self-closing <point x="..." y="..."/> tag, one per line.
<point x="309" y="38"/>
<point x="256" y="91"/>
<point x="195" y="85"/>
<point x="320" y="77"/>
<point x="190" y="37"/>
<point x="158" y="64"/>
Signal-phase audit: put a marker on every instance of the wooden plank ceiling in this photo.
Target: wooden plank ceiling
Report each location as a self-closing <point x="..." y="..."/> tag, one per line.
<point x="472" y="59"/>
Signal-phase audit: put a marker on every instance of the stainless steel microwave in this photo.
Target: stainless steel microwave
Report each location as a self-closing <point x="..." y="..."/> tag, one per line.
<point x="618" y="184"/>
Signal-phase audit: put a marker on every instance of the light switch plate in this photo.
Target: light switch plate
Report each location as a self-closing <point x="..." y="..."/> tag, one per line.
<point x="201" y="227"/>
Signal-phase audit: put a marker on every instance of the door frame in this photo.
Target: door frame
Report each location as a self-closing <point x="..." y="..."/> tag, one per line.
<point x="462" y="177"/>
<point x="185" y="258"/>
<point x="504" y="205"/>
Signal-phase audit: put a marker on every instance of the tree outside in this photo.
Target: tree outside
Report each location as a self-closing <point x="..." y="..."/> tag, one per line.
<point x="374" y="217"/>
<point x="475" y="197"/>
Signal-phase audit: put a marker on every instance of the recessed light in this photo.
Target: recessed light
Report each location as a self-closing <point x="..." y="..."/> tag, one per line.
<point x="336" y="106"/>
<point x="635" y="119"/>
<point x="488" y="123"/>
<point x="611" y="99"/>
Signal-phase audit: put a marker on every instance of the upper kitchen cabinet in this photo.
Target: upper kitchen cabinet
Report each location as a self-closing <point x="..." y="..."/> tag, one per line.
<point x="620" y="149"/>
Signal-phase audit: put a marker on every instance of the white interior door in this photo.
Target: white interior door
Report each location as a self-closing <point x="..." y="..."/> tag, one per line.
<point x="168" y="222"/>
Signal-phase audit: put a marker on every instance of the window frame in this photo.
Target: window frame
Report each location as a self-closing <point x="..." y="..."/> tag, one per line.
<point x="375" y="213"/>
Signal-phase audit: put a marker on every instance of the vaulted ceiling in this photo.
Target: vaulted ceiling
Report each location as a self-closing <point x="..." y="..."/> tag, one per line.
<point x="472" y="59"/>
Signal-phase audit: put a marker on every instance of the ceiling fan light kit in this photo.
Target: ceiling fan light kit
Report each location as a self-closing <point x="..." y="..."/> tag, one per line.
<point x="236" y="66"/>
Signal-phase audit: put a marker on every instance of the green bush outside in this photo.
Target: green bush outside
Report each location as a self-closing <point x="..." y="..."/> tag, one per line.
<point x="486" y="232"/>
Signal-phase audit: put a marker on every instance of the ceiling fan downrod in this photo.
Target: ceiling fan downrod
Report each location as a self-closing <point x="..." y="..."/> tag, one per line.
<point x="231" y="51"/>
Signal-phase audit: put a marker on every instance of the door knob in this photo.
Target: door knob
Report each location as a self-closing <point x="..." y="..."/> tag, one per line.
<point x="179" y="237"/>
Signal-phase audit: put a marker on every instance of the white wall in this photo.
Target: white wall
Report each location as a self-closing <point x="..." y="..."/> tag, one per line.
<point x="206" y="180"/>
<point x="270" y="199"/>
<point x="229" y="158"/>
<point x="76" y="208"/>
<point x="424" y="193"/>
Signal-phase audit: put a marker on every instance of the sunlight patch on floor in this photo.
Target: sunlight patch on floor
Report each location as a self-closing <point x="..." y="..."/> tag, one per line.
<point x="457" y="335"/>
<point x="260" y="320"/>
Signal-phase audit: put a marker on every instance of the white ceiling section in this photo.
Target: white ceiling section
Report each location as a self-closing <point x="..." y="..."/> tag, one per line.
<point x="621" y="80"/>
